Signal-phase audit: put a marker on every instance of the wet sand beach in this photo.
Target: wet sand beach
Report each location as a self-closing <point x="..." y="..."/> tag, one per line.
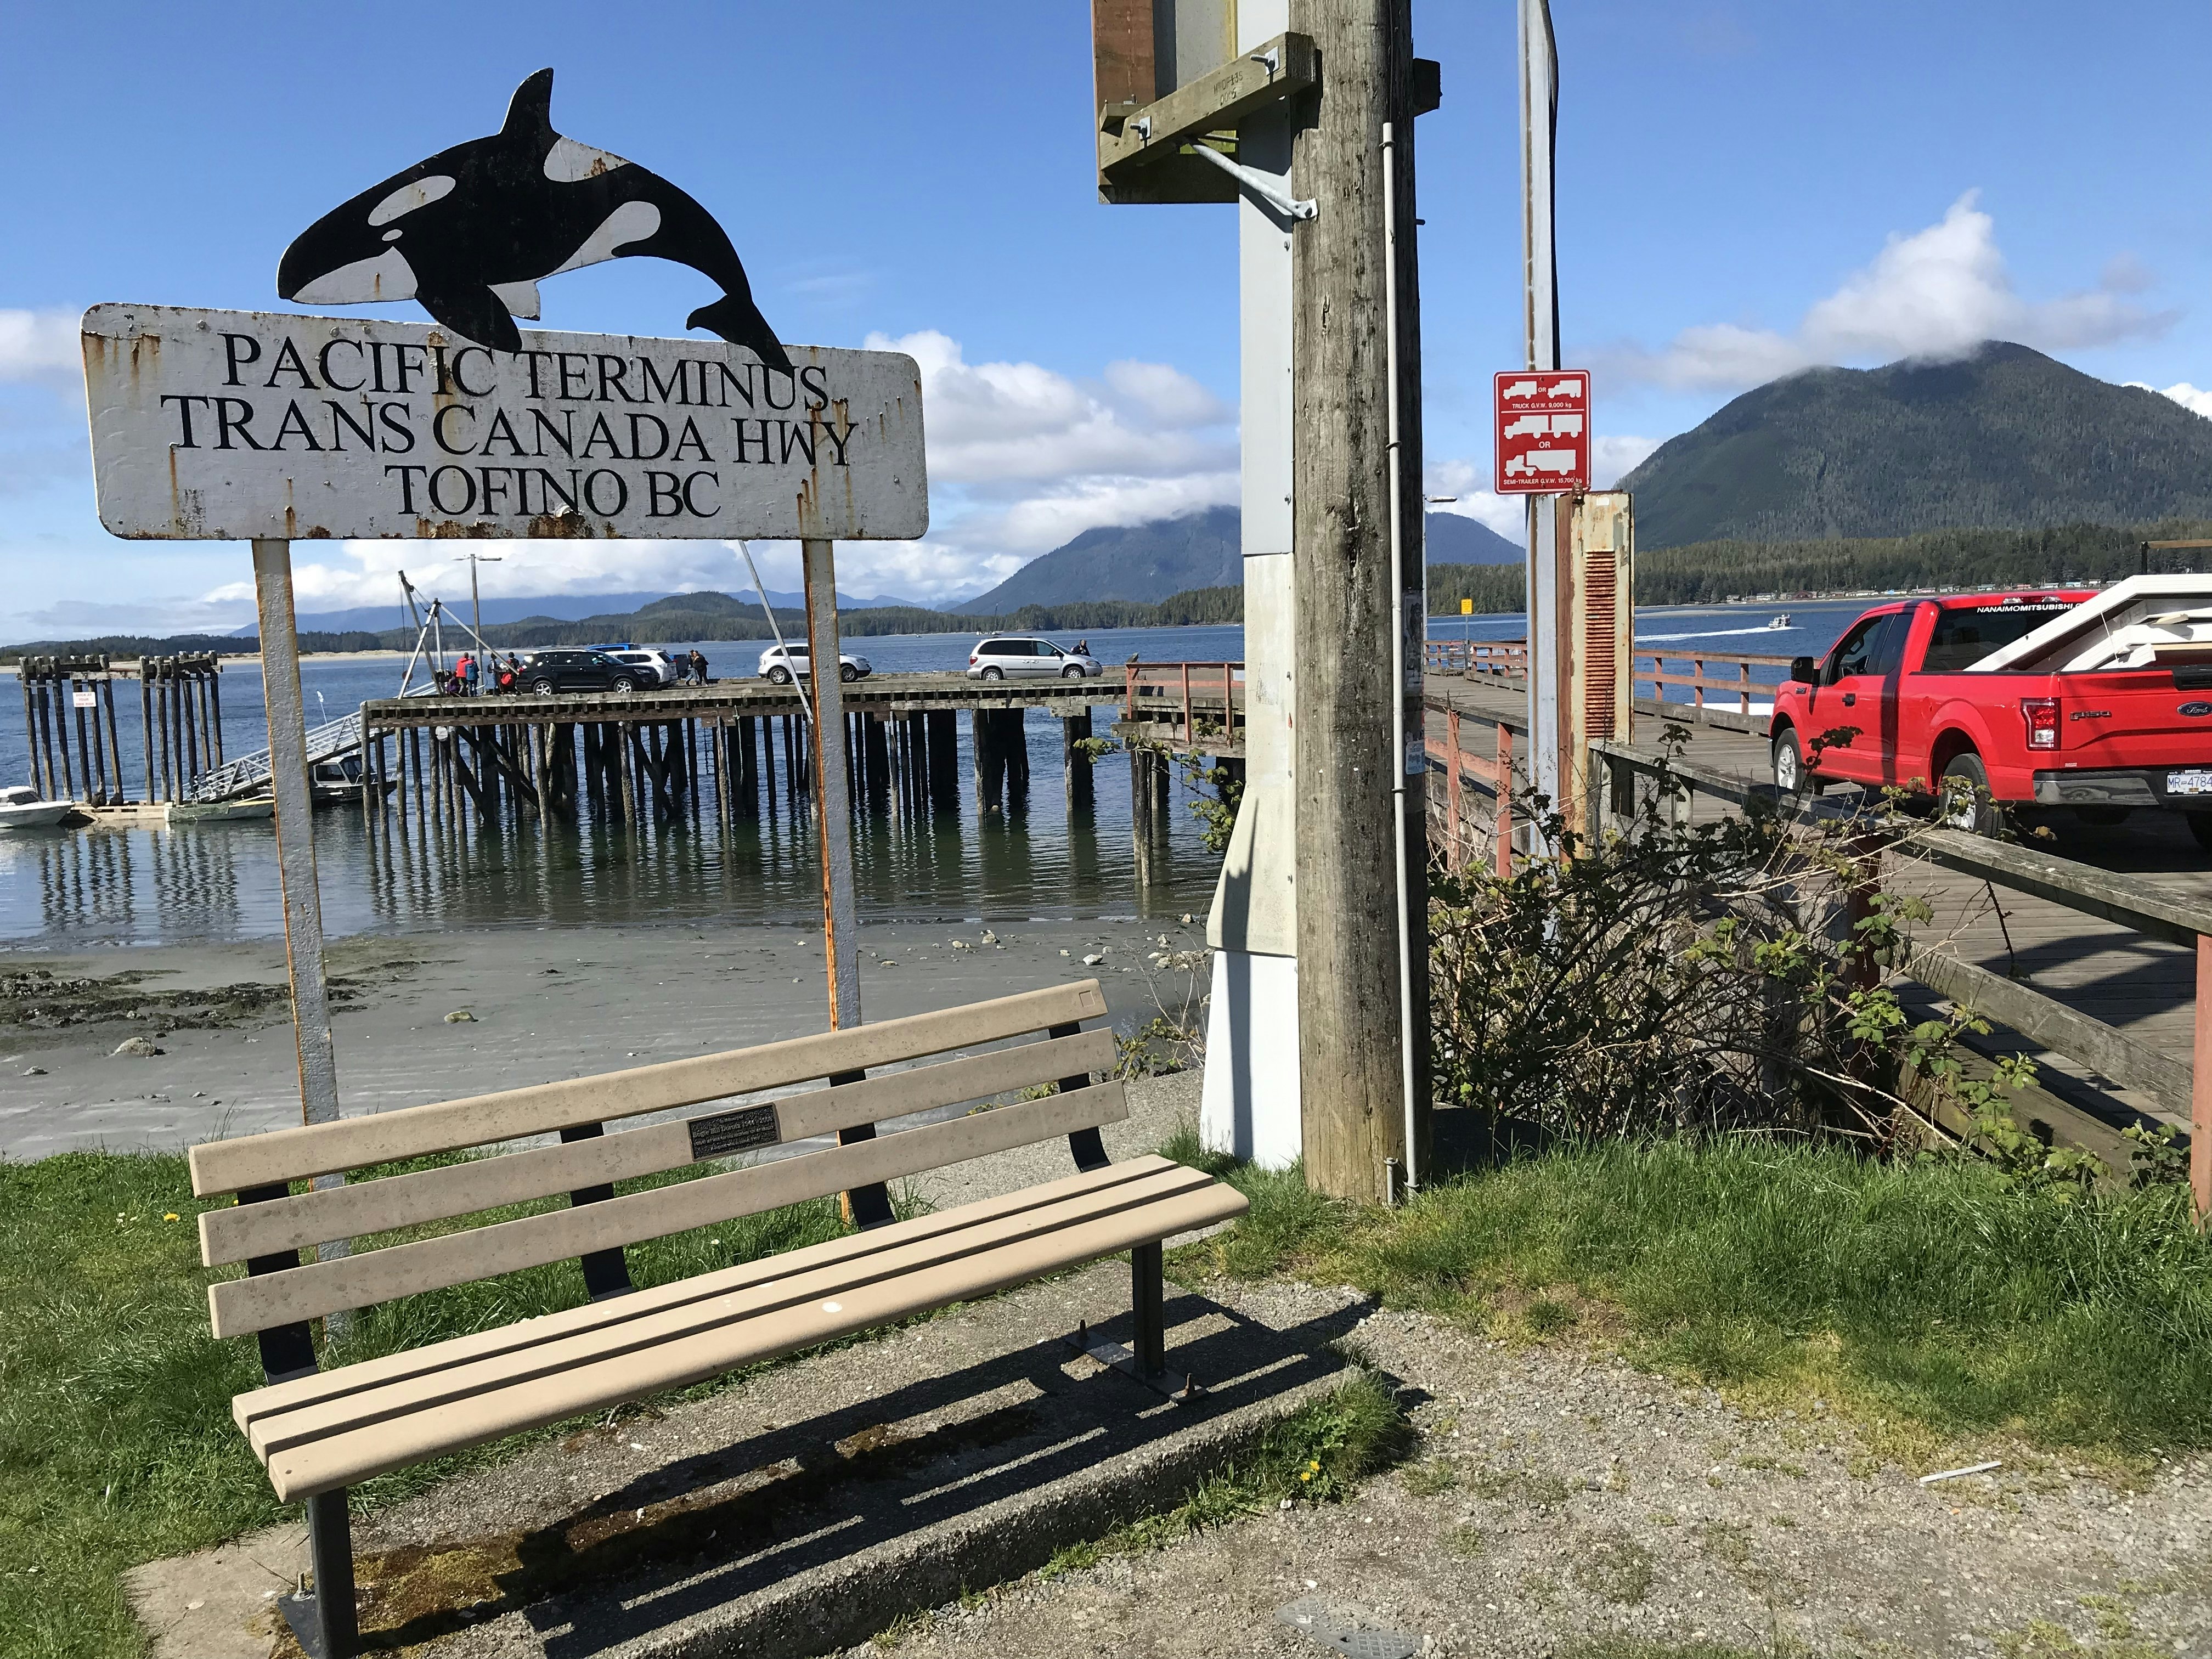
<point x="545" y="1004"/>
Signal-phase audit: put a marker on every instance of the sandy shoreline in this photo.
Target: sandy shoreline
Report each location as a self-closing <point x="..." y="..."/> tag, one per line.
<point x="547" y="1003"/>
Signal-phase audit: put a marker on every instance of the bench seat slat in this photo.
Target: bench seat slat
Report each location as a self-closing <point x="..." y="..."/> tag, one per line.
<point x="237" y="1307"/>
<point x="248" y="1408"/>
<point x="287" y="1155"/>
<point x="427" y="1195"/>
<point x="801" y="1278"/>
<point x="355" y="1455"/>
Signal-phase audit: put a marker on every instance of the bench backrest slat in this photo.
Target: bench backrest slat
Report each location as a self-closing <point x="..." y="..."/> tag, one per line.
<point x="287" y="1155"/>
<point x="459" y="1189"/>
<point x="293" y="1295"/>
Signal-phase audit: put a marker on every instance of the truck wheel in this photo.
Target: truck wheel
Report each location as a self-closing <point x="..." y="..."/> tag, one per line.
<point x="1791" y="781"/>
<point x="2200" y="825"/>
<point x="1963" y="796"/>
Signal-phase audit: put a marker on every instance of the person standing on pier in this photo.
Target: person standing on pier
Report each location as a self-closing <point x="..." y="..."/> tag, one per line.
<point x="466" y="671"/>
<point x="698" y="661"/>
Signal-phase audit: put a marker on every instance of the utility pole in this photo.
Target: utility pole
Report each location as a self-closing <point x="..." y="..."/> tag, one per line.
<point x="1302" y="113"/>
<point x="1363" y="1053"/>
<point x="476" y="599"/>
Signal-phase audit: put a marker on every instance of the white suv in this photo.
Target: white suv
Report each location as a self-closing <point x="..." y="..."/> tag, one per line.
<point x="1011" y="657"/>
<point x="652" y="665"/>
<point x="780" y="664"/>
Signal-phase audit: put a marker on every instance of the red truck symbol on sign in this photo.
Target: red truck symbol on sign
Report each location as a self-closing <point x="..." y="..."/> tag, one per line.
<point x="1543" y="433"/>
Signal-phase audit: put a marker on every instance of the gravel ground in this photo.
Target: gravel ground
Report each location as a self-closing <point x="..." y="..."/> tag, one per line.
<point x="1564" y="1502"/>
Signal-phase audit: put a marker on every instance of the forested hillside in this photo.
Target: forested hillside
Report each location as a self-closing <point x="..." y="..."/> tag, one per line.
<point x="2005" y="437"/>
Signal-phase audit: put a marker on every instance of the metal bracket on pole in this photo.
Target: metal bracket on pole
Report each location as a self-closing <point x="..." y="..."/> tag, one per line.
<point x="1259" y="184"/>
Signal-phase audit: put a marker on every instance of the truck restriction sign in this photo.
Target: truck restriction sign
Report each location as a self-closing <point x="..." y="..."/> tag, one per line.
<point x="1543" y="433"/>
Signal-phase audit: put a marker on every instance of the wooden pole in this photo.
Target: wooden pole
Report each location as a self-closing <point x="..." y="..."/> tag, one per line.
<point x="30" y="730"/>
<point x="1354" y="1049"/>
<point x="1501" y="831"/>
<point x="295" y="847"/>
<point x="114" y="737"/>
<point x="2200" y="1094"/>
<point x="833" y="817"/>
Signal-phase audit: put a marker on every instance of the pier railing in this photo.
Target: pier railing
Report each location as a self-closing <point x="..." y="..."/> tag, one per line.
<point x="1721" y="680"/>
<point x="2183" y="1087"/>
<point x="1185" y="698"/>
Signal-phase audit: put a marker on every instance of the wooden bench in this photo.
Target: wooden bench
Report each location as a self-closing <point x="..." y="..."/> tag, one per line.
<point x="317" y="1432"/>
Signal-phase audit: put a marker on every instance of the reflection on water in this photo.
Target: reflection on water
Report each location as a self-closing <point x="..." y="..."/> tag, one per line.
<point x="80" y="889"/>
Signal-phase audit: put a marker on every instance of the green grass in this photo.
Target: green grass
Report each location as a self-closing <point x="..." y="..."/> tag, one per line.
<point x="1926" y="1302"/>
<point x="116" y="1442"/>
<point x="1317" y="1454"/>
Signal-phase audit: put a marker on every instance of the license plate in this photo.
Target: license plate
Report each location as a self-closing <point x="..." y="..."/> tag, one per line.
<point x="2198" y="783"/>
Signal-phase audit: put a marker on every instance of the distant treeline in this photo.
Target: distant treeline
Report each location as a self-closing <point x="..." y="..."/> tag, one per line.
<point x="697" y="616"/>
<point x="1705" y="571"/>
<point x="134" y="646"/>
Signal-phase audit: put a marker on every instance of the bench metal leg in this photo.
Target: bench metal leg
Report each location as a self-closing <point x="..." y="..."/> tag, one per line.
<point x="606" y="1273"/>
<point x="324" y="1623"/>
<point x="1148" y="1294"/>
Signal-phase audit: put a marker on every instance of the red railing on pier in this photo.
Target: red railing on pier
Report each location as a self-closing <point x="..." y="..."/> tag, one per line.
<point x="1187" y="692"/>
<point x="1656" y="667"/>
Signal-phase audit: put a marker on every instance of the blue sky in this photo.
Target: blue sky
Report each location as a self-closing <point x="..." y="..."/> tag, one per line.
<point x="1744" y="190"/>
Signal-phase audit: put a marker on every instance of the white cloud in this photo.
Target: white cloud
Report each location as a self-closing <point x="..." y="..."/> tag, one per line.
<point x="1935" y="293"/>
<point x="991" y="423"/>
<point x="41" y="347"/>
<point x="2193" y="398"/>
<point x="1022" y="458"/>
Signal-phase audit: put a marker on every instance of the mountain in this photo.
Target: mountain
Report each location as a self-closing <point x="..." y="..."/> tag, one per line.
<point x="2003" y="438"/>
<point x="1455" y="538"/>
<point x="377" y="617"/>
<point x="1124" y="561"/>
<point x="1150" y="562"/>
<point x="561" y="607"/>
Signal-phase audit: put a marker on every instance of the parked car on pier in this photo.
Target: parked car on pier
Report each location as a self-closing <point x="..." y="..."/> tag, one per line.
<point x="655" y="667"/>
<point x="544" y="672"/>
<point x="780" y="664"/>
<point x="1020" y="656"/>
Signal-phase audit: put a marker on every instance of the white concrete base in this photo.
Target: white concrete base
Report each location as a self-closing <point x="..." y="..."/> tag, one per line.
<point x="1251" y="1108"/>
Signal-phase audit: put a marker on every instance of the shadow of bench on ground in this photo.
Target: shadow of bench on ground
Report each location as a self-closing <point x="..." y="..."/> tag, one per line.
<point x="943" y="1483"/>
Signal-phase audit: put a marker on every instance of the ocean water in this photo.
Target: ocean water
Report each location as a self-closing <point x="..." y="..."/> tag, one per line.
<point x="123" y="888"/>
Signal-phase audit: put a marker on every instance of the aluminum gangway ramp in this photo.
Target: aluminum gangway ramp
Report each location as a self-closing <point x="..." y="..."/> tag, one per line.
<point x="250" y="773"/>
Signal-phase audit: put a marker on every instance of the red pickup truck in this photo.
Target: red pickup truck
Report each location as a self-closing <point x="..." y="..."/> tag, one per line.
<point x="2107" y="712"/>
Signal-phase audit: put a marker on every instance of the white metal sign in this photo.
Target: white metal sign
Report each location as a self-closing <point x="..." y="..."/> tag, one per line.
<point x="232" y="425"/>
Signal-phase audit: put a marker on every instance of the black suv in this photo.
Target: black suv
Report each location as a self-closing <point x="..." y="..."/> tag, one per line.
<point x="545" y="672"/>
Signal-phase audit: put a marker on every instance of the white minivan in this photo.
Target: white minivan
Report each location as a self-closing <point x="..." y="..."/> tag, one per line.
<point x="1011" y="656"/>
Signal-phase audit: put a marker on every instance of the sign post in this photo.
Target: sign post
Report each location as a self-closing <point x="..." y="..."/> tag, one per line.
<point x="1540" y="116"/>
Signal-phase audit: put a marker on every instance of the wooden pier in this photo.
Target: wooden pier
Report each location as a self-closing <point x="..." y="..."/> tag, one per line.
<point x="734" y="749"/>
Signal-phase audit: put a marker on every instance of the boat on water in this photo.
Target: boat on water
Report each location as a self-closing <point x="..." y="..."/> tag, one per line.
<point x="21" y="808"/>
<point x="1782" y="620"/>
<point x="221" y="812"/>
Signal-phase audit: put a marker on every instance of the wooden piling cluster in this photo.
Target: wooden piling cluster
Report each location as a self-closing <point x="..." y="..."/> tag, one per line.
<point x="479" y="764"/>
<point x="73" y="694"/>
<point x="180" y="714"/>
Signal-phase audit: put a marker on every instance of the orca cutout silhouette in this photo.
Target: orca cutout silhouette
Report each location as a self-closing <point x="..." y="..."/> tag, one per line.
<point x="471" y="232"/>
